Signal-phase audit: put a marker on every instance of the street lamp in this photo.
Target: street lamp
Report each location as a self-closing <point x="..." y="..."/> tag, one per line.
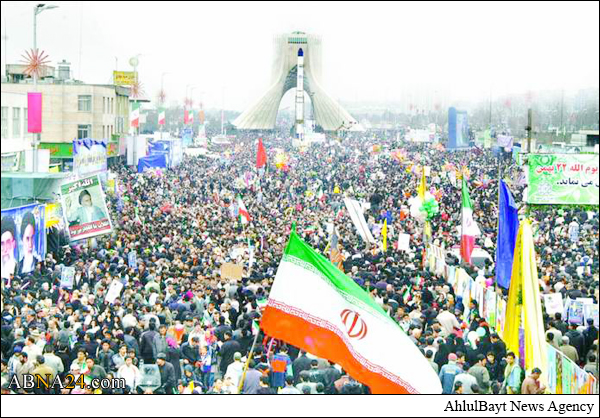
<point x="162" y="80"/>
<point x="187" y="89"/>
<point x="37" y="138"/>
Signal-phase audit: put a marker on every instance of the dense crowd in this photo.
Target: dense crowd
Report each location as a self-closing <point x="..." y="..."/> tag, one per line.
<point x="196" y="328"/>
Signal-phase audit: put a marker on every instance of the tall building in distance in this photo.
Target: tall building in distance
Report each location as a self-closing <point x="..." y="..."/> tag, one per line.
<point x="328" y="114"/>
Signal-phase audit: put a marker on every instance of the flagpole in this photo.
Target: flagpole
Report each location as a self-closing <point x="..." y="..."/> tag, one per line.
<point x="497" y="236"/>
<point x="241" y="385"/>
<point x="462" y="215"/>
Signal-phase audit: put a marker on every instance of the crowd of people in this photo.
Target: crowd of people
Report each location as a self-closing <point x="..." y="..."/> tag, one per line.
<point x="178" y="317"/>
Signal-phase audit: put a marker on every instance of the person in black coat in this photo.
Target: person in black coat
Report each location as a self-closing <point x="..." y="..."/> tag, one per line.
<point x="577" y="340"/>
<point x="227" y="352"/>
<point x="190" y="351"/>
<point x="559" y="323"/>
<point x="148" y="344"/>
<point x="498" y="347"/>
<point x="590" y="335"/>
<point x="301" y="364"/>
<point x="174" y="357"/>
<point x="495" y="368"/>
<point x="167" y="376"/>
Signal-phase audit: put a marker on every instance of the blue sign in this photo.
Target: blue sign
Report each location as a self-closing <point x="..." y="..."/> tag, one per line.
<point x="132" y="260"/>
<point x="458" y="129"/>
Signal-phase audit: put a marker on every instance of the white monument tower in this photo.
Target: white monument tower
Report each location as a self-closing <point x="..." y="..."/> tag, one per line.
<point x="297" y="64"/>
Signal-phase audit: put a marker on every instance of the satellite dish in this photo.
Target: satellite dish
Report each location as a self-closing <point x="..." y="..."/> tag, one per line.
<point x="134" y="62"/>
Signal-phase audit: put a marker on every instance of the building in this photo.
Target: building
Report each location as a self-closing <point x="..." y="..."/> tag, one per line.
<point x="73" y="110"/>
<point x="328" y="114"/>
<point x="14" y="138"/>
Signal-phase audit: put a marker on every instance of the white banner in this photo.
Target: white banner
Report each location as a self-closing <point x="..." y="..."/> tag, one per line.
<point x="358" y="218"/>
<point x="554" y="303"/>
<point x="404" y="242"/>
<point x="114" y="291"/>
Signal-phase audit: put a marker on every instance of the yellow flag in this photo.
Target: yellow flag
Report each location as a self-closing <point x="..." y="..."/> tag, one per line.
<point x="384" y="233"/>
<point x="423" y="185"/>
<point x="428" y="231"/>
<point x="524" y="304"/>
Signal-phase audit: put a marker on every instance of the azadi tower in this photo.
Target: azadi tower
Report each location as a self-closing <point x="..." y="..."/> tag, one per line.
<point x="328" y="114"/>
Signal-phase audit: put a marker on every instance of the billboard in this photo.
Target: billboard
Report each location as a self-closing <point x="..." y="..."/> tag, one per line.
<point x="458" y="129"/>
<point x="124" y="78"/>
<point x="563" y="179"/>
<point x="89" y="157"/>
<point x="23" y="239"/>
<point x="84" y="208"/>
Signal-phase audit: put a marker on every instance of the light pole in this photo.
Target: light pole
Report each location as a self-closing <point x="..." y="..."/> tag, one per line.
<point x="37" y="138"/>
<point x="187" y="96"/>
<point x="162" y="80"/>
<point x="162" y="95"/>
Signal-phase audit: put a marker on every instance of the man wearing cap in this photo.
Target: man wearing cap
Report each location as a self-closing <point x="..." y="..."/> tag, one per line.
<point x="236" y="369"/>
<point x="167" y="375"/>
<point x="448" y="374"/>
<point x="531" y="385"/>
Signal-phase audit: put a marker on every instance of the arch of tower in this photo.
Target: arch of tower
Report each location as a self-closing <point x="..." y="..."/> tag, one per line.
<point x="327" y="112"/>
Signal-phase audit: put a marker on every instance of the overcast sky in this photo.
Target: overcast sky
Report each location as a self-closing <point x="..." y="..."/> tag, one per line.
<point x="372" y="51"/>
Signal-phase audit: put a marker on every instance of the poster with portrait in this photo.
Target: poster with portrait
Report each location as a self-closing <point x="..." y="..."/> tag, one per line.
<point x="554" y="303"/>
<point x="67" y="278"/>
<point x="576" y="312"/>
<point x="84" y="208"/>
<point x="23" y="240"/>
<point x="590" y="311"/>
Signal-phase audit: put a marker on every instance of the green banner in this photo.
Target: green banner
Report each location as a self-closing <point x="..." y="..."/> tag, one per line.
<point x="58" y="149"/>
<point x="564" y="179"/>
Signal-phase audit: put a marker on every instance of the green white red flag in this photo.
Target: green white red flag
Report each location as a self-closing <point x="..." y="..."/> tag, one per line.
<point x="162" y="116"/>
<point x="244" y="215"/>
<point x="135" y="115"/>
<point x="469" y="229"/>
<point x="317" y="308"/>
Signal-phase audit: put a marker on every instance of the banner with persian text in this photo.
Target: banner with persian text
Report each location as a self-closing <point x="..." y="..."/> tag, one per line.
<point x="84" y="207"/>
<point x="563" y="179"/>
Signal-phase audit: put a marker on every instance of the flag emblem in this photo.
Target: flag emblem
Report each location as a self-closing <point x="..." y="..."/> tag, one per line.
<point x="355" y="325"/>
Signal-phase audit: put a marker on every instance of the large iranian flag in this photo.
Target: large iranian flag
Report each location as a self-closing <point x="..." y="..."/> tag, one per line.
<point x="317" y="308"/>
<point x="469" y="229"/>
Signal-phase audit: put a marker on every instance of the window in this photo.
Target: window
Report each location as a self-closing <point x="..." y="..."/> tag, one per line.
<point x="85" y="104"/>
<point x="103" y="131"/>
<point x="4" y="122"/>
<point x="120" y="124"/>
<point x="112" y="106"/>
<point x="84" y="131"/>
<point x="16" y="122"/>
